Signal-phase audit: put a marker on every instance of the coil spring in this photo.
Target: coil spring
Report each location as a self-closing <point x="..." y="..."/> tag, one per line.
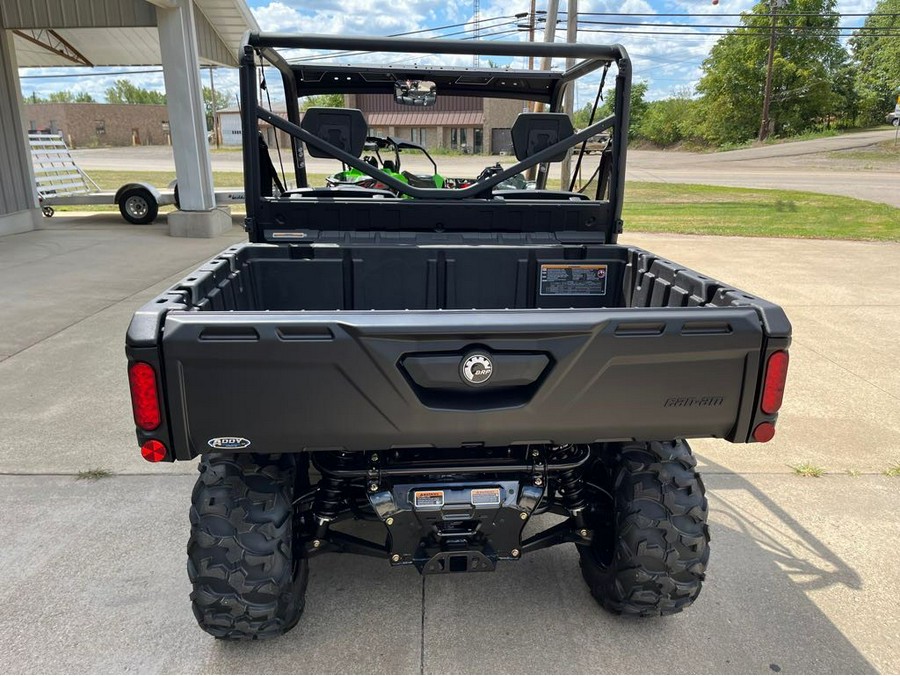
<point x="329" y="496"/>
<point x="330" y="492"/>
<point x="571" y="482"/>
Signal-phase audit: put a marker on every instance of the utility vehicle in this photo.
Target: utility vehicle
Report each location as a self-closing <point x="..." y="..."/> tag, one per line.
<point x="448" y="377"/>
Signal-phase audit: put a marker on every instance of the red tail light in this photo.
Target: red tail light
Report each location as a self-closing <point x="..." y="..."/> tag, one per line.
<point x="153" y="451"/>
<point x="773" y="387"/>
<point x="144" y="400"/>
<point x="764" y="432"/>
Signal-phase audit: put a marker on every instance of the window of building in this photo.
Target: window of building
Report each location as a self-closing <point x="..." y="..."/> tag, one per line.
<point x="478" y="141"/>
<point x="418" y="135"/>
<point x="100" y="127"/>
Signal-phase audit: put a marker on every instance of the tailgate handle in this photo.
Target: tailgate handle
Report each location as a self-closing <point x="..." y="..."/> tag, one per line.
<point x="444" y="371"/>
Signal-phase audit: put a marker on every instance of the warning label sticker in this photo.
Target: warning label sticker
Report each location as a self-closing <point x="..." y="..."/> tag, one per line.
<point x="429" y="498"/>
<point x="561" y="279"/>
<point x="485" y="496"/>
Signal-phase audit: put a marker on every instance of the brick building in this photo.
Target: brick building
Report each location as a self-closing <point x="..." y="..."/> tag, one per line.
<point x="467" y="124"/>
<point x="100" y="124"/>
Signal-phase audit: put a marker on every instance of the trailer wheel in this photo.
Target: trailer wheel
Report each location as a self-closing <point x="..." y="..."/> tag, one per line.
<point x="650" y="543"/>
<point x="245" y="558"/>
<point x="48" y="212"/>
<point x="138" y="206"/>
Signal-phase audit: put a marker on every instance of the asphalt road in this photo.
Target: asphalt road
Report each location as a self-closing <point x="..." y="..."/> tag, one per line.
<point x="804" y="573"/>
<point x="816" y="166"/>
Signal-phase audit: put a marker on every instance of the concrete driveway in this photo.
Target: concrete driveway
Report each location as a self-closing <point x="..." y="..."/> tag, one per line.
<point x="804" y="573"/>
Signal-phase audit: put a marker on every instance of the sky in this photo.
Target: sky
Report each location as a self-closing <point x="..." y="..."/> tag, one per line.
<point x="670" y="64"/>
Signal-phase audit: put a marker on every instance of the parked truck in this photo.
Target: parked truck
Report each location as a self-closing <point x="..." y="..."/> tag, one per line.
<point x="449" y="374"/>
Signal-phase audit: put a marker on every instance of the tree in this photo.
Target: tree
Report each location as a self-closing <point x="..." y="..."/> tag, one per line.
<point x="124" y="91"/>
<point x="213" y="103"/>
<point x="62" y="97"/>
<point x="638" y="107"/>
<point x="876" y="56"/>
<point x="323" y="101"/>
<point x="669" y="121"/>
<point x="70" y="97"/>
<point x="807" y="64"/>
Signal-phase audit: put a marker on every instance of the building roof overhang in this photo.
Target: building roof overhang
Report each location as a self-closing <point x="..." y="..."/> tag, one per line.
<point x="117" y="32"/>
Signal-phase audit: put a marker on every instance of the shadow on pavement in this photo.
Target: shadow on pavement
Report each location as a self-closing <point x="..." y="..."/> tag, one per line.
<point x="753" y="616"/>
<point x="99" y="583"/>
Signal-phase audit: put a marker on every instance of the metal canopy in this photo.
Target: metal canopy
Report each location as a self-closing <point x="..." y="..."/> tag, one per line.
<point x="117" y="32"/>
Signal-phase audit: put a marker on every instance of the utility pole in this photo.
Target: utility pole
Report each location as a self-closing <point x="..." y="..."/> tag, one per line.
<point x="770" y="63"/>
<point x="476" y="27"/>
<point x="215" y="118"/>
<point x="531" y="20"/>
<point x="549" y="36"/>
<point x="565" y="171"/>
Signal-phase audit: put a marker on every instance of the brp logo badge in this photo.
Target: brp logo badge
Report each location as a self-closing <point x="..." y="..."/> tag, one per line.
<point x="476" y="368"/>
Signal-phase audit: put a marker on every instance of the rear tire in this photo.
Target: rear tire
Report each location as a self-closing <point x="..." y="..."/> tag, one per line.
<point x="650" y="545"/>
<point x="138" y="206"/>
<point x="245" y="561"/>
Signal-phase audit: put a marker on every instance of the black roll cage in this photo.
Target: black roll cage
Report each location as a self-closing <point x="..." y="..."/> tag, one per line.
<point x="474" y="82"/>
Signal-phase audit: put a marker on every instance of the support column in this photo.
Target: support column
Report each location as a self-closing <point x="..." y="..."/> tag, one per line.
<point x="198" y="216"/>
<point x="18" y="200"/>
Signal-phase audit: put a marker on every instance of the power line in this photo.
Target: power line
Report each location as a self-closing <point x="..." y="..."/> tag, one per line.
<point x="478" y="24"/>
<point x="709" y="33"/>
<point x="693" y="14"/>
<point x="715" y="25"/>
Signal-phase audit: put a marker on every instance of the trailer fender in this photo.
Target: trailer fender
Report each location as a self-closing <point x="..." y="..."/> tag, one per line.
<point x="137" y="184"/>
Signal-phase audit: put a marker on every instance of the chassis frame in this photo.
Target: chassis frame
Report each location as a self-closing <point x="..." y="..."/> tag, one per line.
<point x="459" y="535"/>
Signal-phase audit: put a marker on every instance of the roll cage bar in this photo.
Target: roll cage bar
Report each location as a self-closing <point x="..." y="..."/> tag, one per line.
<point x="300" y="79"/>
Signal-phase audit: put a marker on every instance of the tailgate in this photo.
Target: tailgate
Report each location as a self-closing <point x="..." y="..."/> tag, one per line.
<point x="290" y="381"/>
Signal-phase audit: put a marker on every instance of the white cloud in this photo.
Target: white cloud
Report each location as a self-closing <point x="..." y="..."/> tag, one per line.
<point x="666" y="62"/>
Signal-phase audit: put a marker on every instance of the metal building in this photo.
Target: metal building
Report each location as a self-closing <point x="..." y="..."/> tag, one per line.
<point x="178" y="34"/>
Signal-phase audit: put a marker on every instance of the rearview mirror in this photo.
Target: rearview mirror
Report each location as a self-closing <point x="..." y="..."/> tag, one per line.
<point x="415" y="93"/>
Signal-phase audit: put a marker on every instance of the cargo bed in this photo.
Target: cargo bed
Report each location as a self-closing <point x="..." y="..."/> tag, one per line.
<point x="286" y="344"/>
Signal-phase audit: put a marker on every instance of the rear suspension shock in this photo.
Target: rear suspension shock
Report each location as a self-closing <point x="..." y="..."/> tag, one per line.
<point x="571" y="484"/>
<point x="329" y="499"/>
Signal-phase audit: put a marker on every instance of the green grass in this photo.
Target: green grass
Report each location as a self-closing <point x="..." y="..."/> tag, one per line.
<point x="807" y="469"/>
<point x="93" y="474"/>
<point x="675" y="208"/>
<point x="886" y="151"/>
<point x="751" y="212"/>
<point x="893" y="470"/>
<point x="805" y="136"/>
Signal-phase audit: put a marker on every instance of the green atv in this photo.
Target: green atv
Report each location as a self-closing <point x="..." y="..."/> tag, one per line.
<point x="374" y="145"/>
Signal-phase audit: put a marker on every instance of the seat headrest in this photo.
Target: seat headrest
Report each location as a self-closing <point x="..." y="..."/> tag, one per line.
<point x="532" y="132"/>
<point x="344" y="128"/>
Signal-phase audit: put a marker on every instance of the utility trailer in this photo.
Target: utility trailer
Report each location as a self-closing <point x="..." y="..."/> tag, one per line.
<point x="437" y="366"/>
<point x="61" y="182"/>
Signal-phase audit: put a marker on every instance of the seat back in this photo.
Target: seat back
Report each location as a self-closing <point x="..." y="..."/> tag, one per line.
<point x="344" y="128"/>
<point x="533" y="132"/>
